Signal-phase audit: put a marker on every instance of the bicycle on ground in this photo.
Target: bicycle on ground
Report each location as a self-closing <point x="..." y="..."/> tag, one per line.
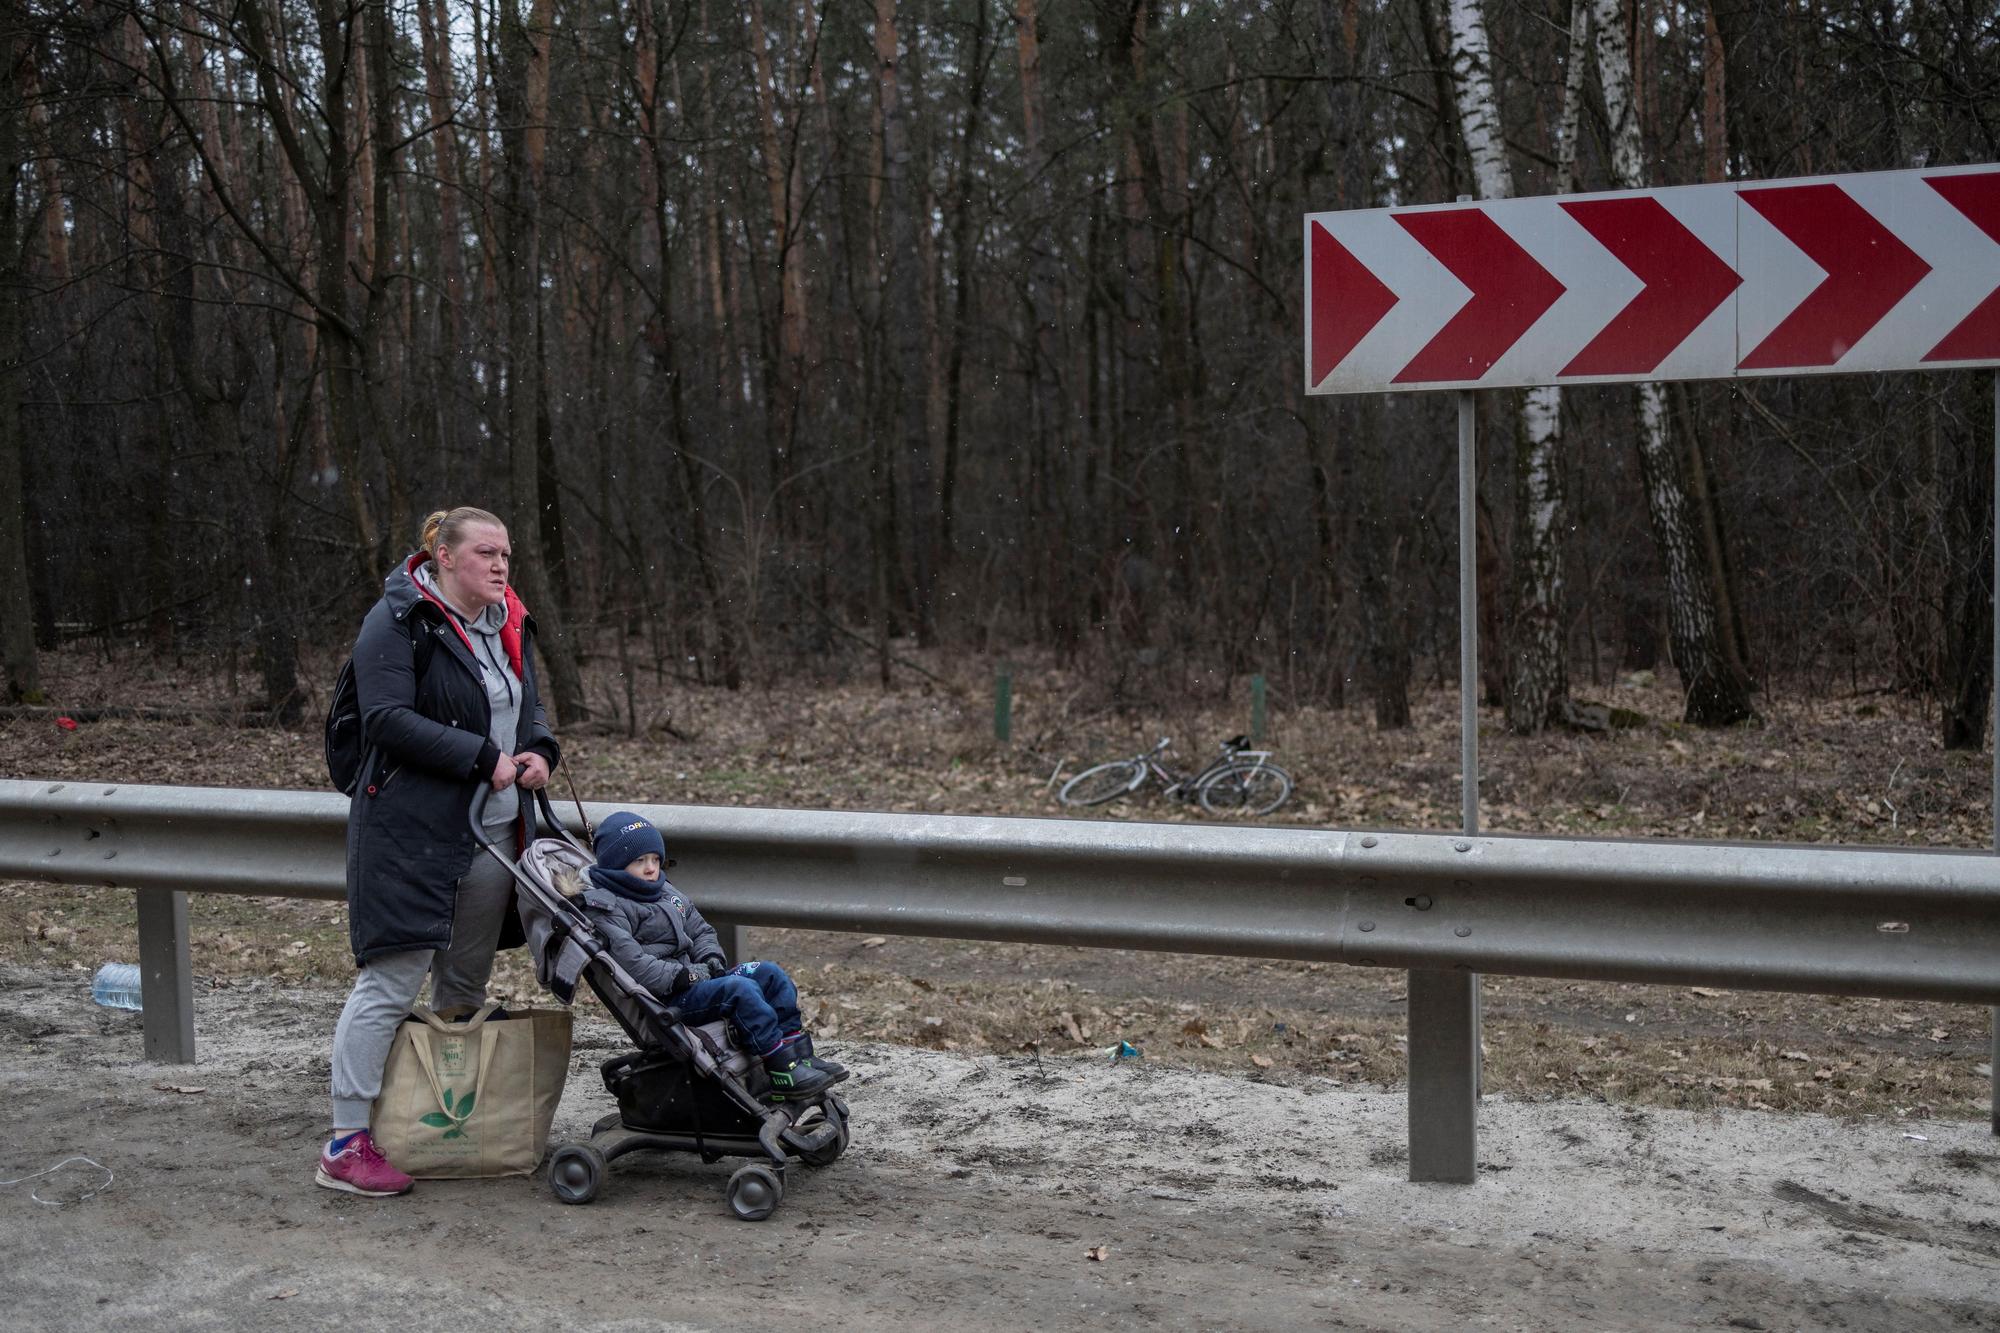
<point x="1238" y="781"/>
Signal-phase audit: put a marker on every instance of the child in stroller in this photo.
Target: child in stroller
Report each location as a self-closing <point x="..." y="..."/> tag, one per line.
<point x="689" y="1087"/>
<point x="659" y="937"/>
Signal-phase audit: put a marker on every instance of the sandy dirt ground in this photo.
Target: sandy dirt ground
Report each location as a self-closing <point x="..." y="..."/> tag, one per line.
<point x="975" y="1193"/>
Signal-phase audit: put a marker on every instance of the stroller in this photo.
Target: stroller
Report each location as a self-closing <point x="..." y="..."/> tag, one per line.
<point x="686" y="1089"/>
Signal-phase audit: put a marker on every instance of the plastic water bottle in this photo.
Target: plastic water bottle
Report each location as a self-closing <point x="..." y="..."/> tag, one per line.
<point x="116" y="986"/>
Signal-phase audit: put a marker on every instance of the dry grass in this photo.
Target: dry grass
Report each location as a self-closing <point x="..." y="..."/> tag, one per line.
<point x="1812" y="770"/>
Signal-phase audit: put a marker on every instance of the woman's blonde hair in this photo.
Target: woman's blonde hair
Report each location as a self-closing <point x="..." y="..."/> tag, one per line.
<point x="447" y="526"/>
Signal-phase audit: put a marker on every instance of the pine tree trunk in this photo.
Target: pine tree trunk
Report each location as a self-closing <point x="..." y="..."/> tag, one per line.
<point x="904" y="317"/>
<point x="324" y="176"/>
<point x="22" y="678"/>
<point x="521" y="86"/>
<point x="1968" y="590"/>
<point x="961" y="310"/>
<point x="782" y="185"/>
<point x="663" y="338"/>
<point x="1384" y="636"/>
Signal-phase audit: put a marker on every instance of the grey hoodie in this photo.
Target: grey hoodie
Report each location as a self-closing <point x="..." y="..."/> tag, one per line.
<point x="503" y="687"/>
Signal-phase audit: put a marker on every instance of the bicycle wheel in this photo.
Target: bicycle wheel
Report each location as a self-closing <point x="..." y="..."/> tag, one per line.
<point x="1245" y="789"/>
<point x="1095" y="786"/>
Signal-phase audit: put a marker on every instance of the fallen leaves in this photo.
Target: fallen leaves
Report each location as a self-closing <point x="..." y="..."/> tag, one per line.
<point x="833" y="746"/>
<point x="1198" y="1030"/>
<point x="185" y="1090"/>
<point x="1720" y="1083"/>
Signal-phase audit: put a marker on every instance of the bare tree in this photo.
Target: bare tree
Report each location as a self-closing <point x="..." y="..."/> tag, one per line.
<point x="1716" y="693"/>
<point x="521" y="88"/>
<point x="17" y="634"/>
<point x="291" y="270"/>
<point x="1537" y="676"/>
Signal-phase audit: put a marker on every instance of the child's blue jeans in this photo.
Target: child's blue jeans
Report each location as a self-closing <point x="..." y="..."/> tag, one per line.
<point x="757" y="997"/>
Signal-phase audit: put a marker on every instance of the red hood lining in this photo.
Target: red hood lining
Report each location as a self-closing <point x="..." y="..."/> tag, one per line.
<point x="510" y="629"/>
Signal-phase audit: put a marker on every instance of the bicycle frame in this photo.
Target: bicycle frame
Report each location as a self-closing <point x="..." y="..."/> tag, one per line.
<point x="1182" y="787"/>
<point x="1222" y="786"/>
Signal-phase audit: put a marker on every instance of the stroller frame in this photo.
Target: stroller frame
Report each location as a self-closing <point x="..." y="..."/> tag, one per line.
<point x="686" y="1088"/>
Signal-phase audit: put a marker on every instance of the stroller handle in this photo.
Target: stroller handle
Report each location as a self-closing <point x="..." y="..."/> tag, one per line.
<point x="550" y="820"/>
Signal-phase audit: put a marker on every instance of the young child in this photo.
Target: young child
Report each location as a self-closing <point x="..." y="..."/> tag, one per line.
<point x="661" y="940"/>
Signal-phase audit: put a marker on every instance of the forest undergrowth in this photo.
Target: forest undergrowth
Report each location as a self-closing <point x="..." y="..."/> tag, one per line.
<point x="1863" y="767"/>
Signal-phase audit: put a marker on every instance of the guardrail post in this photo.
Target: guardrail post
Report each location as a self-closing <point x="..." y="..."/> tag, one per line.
<point x="730" y="936"/>
<point x="1444" y="1069"/>
<point x="1257" y="710"/>
<point x="166" y="981"/>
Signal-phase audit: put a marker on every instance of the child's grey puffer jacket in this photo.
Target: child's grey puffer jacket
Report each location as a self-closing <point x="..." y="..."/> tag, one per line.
<point x="656" y="941"/>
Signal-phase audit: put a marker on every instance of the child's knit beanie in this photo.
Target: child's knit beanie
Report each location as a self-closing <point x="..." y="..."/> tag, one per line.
<point x="625" y="837"/>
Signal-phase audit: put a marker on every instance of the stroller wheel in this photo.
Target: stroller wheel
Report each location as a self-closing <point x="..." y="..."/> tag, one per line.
<point x="754" y="1192"/>
<point x="830" y="1153"/>
<point x="575" y="1172"/>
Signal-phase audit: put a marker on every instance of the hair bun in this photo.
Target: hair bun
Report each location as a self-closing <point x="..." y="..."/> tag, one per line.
<point x="443" y="527"/>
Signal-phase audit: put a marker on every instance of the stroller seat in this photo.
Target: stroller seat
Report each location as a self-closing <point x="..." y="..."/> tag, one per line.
<point x="685" y="1088"/>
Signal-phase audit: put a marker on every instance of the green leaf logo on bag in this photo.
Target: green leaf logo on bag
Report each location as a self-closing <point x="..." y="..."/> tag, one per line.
<point x="453" y="1123"/>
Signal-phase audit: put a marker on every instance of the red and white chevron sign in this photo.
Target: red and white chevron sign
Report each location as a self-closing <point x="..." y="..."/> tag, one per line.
<point x="1892" y="270"/>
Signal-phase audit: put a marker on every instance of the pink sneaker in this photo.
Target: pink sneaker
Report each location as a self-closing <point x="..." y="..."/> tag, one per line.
<point x="360" y="1168"/>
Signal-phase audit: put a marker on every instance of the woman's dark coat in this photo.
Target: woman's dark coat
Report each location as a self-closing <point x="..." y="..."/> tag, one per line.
<point x="409" y="829"/>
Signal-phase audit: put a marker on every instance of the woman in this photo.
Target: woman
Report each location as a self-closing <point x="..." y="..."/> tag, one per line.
<point x="446" y="684"/>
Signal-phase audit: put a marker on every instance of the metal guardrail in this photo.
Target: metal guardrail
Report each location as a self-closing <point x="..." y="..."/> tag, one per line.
<point x="1889" y="922"/>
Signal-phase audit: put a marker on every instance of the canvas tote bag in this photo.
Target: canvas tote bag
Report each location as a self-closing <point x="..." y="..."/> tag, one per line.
<point x="462" y="1100"/>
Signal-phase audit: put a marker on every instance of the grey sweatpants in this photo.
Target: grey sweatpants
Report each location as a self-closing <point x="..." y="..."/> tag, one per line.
<point x="385" y="989"/>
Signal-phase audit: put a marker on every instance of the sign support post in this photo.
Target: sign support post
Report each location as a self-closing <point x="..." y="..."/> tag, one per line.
<point x="1444" y="1017"/>
<point x="1468" y="615"/>
<point x="1860" y="272"/>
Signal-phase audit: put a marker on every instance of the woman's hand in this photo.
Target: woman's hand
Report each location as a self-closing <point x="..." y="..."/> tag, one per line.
<point x="533" y="770"/>
<point x="504" y="773"/>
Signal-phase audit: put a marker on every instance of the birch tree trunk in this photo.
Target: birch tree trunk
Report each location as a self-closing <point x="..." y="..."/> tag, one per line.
<point x="1716" y="694"/>
<point x="1538" y="669"/>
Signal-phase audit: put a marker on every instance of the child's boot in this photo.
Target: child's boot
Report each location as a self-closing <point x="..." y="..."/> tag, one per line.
<point x="803" y="1044"/>
<point x="793" y="1075"/>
